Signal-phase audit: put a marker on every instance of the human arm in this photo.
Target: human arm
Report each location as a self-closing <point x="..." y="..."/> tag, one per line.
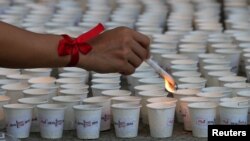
<point x="118" y="50"/>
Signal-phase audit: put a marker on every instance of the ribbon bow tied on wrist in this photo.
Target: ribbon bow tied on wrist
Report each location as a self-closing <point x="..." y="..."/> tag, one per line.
<point x="71" y="46"/>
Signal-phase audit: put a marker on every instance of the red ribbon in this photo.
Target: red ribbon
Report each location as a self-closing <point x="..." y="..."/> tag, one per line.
<point x="70" y="46"/>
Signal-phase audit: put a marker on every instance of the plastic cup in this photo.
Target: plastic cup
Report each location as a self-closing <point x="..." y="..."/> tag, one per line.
<point x="88" y="121"/>
<point x="202" y="114"/>
<point x="233" y="113"/>
<point x="14" y="91"/>
<point x="74" y="92"/>
<point x="69" y="102"/>
<point x="161" y="119"/>
<point x="51" y="119"/>
<point x="180" y="93"/>
<point x="185" y="112"/>
<point x="18" y="118"/>
<point x="116" y="93"/>
<point x="126" y="99"/>
<point x="34" y="101"/>
<point x="3" y="101"/>
<point x="145" y="95"/>
<point x="210" y="68"/>
<point x="126" y="119"/>
<point x="98" y="88"/>
<point x="105" y="102"/>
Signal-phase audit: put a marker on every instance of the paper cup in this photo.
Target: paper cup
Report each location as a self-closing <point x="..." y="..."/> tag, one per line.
<point x="150" y="81"/>
<point x="38" y="71"/>
<point x="180" y="93"/>
<point x="116" y="76"/>
<point x="41" y="93"/>
<point x="190" y="86"/>
<point x="3" y="101"/>
<point x="5" y="71"/>
<point x="51" y="119"/>
<point x="82" y="76"/>
<point x="83" y="87"/>
<point x="180" y="74"/>
<point x="231" y="79"/>
<point x="210" y="68"/>
<point x="126" y="99"/>
<point x="238" y="86"/>
<point x="162" y="99"/>
<point x="145" y="95"/>
<point x="62" y="81"/>
<point x="126" y="119"/>
<point x="222" y="90"/>
<point x="69" y="102"/>
<point x="88" y="121"/>
<point x="18" y="118"/>
<point x="74" y="92"/>
<point x="202" y="114"/>
<point x="233" y="55"/>
<point x="50" y="81"/>
<point x="116" y="93"/>
<point x="98" y="88"/>
<point x="185" y="112"/>
<point x="34" y="101"/>
<point x="106" y="81"/>
<point x="161" y="119"/>
<point x="193" y="80"/>
<point x="105" y="102"/>
<point x="148" y="87"/>
<point x="175" y="68"/>
<point x="213" y="77"/>
<point x="233" y="113"/>
<point x="14" y="91"/>
<point x="246" y="95"/>
<point x="20" y="77"/>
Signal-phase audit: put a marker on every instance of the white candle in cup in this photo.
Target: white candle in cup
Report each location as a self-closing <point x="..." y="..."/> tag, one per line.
<point x="88" y="121"/>
<point x="69" y="102"/>
<point x="14" y="91"/>
<point x="161" y="119"/>
<point x="126" y="119"/>
<point x="34" y="101"/>
<point x="105" y="102"/>
<point x="18" y="118"/>
<point x="51" y="119"/>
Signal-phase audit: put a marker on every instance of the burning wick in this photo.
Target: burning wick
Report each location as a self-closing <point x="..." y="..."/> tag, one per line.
<point x="170" y="84"/>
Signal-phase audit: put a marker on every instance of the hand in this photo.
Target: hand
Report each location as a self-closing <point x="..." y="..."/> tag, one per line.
<point x="118" y="50"/>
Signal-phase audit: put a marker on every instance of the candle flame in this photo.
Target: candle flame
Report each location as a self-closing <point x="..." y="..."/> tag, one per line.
<point x="169" y="84"/>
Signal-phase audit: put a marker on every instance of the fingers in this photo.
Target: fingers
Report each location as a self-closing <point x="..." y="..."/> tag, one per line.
<point x="141" y="52"/>
<point x="142" y="39"/>
<point x="134" y="60"/>
<point x="128" y="69"/>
